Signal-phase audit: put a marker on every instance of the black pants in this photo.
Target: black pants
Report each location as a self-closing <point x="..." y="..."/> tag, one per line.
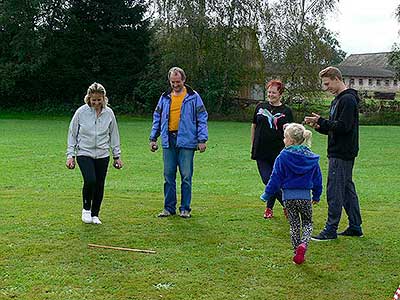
<point x="94" y="173"/>
<point x="265" y="169"/>
<point x="341" y="192"/>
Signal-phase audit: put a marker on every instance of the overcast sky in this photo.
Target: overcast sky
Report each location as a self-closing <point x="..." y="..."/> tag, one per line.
<point x="365" y="26"/>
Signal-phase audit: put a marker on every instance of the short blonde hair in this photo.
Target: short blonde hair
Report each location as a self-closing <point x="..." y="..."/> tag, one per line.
<point x="96" y="88"/>
<point x="331" y="73"/>
<point x="177" y="70"/>
<point x="298" y="134"/>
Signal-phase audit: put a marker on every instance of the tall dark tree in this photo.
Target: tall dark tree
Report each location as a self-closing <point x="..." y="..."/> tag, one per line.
<point x="53" y="49"/>
<point x="105" y="41"/>
<point x="20" y="48"/>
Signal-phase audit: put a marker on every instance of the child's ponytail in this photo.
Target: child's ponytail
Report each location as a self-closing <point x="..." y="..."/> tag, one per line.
<point x="307" y="135"/>
<point x="298" y="134"/>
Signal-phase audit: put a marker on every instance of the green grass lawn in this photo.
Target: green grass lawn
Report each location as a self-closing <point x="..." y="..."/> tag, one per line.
<point x="225" y="251"/>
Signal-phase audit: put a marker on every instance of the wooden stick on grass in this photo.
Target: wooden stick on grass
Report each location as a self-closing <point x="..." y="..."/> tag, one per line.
<point x="120" y="248"/>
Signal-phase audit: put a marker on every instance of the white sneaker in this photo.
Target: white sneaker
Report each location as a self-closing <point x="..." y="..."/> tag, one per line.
<point x="86" y="216"/>
<point x="96" y="220"/>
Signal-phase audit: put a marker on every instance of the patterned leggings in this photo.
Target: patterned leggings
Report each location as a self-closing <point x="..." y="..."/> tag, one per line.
<point x="300" y="216"/>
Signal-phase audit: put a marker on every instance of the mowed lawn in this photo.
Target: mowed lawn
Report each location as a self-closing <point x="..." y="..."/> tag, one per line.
<point x="225" y="251"/>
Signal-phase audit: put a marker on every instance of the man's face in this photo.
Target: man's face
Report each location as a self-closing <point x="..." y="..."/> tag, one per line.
<point x="331" y="85"/>
<point x="176" y="82"/>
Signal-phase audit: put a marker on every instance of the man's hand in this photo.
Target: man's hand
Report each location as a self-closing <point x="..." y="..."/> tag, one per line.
<point x="153" y="146"/>
<point x="202" y="147"/>
<point x="314" y="202"/>
<point x="312" y="120"/>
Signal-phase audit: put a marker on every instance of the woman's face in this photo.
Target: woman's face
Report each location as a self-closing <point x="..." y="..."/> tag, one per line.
<point x="274" y="97"/>
<point x="96" y="100"/>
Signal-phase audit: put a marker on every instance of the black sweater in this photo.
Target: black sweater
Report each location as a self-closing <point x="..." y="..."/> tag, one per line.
<point x="342" y="126"/>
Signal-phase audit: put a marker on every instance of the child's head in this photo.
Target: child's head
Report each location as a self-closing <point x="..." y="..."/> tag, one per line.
<point x="296" y="134"/>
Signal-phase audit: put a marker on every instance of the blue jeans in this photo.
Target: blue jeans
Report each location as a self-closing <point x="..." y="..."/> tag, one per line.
<point x="175" y="157"/>
<point x="341" y="192"/>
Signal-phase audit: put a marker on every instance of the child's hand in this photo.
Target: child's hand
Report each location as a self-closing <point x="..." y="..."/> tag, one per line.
<point x="315" y="202"/>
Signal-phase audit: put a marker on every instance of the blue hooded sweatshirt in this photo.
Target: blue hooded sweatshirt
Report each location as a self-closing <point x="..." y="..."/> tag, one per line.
<point x="296" y="171"/>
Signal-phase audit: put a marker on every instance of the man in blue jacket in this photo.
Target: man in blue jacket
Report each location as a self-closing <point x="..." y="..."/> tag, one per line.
<point x="181" y="119"/>
<point x="342" y="131"/>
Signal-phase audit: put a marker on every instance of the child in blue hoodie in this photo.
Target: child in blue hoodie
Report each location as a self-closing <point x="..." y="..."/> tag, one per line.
<point x="296" y="172"/>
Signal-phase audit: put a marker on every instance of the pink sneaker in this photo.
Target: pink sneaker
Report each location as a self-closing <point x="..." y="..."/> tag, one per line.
<point x="300" y="253"/>
<point x="268" y="213"/>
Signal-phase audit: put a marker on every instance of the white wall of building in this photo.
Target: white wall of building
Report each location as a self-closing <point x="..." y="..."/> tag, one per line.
<point x="372" y="84"/>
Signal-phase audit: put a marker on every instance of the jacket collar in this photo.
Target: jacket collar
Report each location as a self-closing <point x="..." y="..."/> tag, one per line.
<point x="189" y="91"/>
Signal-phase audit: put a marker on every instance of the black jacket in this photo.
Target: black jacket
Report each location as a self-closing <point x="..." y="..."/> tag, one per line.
<point x="342" y="126"/>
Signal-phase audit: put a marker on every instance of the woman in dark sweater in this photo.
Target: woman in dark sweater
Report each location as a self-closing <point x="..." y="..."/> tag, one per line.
<point x="267" y="137"/>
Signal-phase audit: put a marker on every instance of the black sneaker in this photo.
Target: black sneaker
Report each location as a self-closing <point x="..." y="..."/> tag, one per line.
<point x="351" y="232"/>
<point x="324" y="236"/>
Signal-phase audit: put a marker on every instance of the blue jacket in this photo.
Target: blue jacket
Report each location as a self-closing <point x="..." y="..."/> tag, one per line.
<point x="296" y="171"/>
<point x="192" y="124"/>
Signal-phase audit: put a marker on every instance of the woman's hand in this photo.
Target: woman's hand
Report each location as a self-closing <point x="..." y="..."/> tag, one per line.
<point x="118" y="164"/>
<point x="70" y="163"/>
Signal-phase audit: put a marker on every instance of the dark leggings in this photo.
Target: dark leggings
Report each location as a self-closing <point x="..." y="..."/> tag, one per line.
<point x="94" y="173"/>
<point x="265" y="170"/>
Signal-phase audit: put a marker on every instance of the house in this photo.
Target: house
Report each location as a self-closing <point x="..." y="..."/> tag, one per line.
<point x="369" y="72"/>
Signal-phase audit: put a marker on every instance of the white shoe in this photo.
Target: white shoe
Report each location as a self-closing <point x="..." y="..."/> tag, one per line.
<point x="96" y="220"/>
<point x="86" y="216"/>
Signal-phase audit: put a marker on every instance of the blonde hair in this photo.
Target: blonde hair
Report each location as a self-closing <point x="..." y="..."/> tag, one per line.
<point x="331" y="73"/>
<point x="298" y="134"/>
<point x="96" y="88"/>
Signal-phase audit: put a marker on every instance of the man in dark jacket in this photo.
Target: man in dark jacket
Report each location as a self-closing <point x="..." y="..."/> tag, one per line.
<point x="342" y="131"/>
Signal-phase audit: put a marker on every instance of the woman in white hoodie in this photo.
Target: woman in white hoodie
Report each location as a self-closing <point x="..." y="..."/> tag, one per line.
<point x="93" y="132"/>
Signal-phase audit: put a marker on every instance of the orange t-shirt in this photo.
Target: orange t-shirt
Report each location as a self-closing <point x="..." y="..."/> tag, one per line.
<point x="175" y="110"/>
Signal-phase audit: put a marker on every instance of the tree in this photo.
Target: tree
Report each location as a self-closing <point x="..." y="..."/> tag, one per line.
<point x="394" y="56"/>
<point x="105" y="41"/>
<point x="297" y="45"/>
<point x="20" y="48"/>
<point x="58" y="48"/>
<point x="211" y="40"/>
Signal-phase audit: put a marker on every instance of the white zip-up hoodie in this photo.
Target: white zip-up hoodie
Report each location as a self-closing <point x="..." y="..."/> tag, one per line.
<point x="93" y="136"/>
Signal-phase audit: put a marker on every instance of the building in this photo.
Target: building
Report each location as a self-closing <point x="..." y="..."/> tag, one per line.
<point x="254" y="69"/>
<point x="369" y="72"/>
